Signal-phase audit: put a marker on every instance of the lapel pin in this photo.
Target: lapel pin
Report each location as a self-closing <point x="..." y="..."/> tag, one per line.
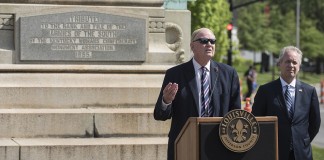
<point x="300" y="90"/>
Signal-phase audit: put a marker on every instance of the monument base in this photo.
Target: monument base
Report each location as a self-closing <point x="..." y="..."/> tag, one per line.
<point x="79" y="79"/>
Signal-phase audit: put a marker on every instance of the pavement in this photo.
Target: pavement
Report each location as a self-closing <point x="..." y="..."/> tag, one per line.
<point x="319" y="139"/>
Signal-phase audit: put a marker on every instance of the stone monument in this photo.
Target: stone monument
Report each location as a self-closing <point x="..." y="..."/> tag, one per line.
<point x="79" y="78"/>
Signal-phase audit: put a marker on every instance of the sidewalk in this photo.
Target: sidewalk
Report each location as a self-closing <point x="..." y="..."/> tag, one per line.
<point x="319" y="139"/>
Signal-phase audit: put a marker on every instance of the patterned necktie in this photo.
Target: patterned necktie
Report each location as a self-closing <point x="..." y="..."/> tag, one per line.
<point x="290" y="108"/>
<point x="205" y="111"/>
<point x="289" y="102"/>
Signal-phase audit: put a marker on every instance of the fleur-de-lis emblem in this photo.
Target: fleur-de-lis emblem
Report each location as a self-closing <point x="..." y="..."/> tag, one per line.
<point x="239" y="131"/>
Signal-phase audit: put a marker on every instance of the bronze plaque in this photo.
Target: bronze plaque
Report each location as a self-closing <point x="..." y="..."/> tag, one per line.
<point x="239" y="130"/>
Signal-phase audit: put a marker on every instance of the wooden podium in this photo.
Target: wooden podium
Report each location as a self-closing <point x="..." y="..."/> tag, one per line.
<point x="199" y="140"/>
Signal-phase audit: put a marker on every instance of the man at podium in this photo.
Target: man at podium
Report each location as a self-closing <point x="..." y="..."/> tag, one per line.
<point x="200" y="87"/>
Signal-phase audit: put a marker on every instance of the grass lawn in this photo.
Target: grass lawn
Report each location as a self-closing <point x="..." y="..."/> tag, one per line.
<point x="309" y="78"/>
<point x="263" y="78"/>
<point x="318" y="153"/>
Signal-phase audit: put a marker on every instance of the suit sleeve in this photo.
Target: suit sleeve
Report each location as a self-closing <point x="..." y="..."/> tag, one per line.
<point x="235" y="101"/>
<point x="159" y="113"/>
<point x="259" y="105"/>
<point x="314" y="116"/>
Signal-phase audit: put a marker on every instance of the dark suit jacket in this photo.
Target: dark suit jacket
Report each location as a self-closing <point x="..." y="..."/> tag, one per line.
<point x="269" y="101"/>
<point x="225" y="96"/>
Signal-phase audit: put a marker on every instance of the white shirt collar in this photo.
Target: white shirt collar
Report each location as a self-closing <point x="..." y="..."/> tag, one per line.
<point x="284" y="83"/>
<point x="197" y="66"/>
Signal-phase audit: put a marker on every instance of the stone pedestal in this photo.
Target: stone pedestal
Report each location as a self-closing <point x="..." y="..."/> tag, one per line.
<point x="71" y="32"/>
<point x="99" y="62"/>
<point x="57" y="39"/>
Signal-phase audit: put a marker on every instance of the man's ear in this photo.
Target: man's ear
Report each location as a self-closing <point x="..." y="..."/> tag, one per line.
<point x="191" y="46"/>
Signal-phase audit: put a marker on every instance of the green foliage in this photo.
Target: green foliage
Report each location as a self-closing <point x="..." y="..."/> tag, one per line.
<point x="313" y="9"/>
<point x="282" y="28"/>
<point x="259" y="31"/>
<point x="262" y="31"/>
<point x="252" y="31"/>
<point x="318" y="153"/>
<point x="311" y="39"/>
<point x="214" y="15"/>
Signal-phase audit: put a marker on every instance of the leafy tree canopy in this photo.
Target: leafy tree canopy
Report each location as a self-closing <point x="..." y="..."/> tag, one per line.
<point x="260" y="29"/>
<point x="266" y="26"/>
<point x="214" y="15"/>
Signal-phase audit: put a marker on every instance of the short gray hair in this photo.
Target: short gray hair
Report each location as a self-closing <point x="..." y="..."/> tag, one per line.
<point x="290" y="48"/>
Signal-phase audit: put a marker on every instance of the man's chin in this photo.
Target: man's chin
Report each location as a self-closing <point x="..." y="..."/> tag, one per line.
<point x="210" y="54"/>
<point x="292" y="76"/>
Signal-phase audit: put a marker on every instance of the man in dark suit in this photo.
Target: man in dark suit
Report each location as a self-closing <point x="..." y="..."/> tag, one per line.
<point x="296" y="106"/>
<point x="186" y="92"/>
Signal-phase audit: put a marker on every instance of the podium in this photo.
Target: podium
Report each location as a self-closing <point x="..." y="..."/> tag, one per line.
<point x="199" y="140"/>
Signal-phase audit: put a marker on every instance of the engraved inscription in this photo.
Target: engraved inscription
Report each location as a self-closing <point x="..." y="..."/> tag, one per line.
<point x="84" y="36"/>
<point x="83" y="54"/>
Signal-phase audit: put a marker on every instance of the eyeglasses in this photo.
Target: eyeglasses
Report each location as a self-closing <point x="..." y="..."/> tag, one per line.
<point x="205" y="40"/>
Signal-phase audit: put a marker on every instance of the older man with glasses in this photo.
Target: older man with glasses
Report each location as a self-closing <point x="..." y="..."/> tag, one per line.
<point x="200" y="87"/>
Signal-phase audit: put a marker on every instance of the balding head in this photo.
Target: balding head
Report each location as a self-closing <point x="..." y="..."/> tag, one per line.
<point x="196" y="32"/>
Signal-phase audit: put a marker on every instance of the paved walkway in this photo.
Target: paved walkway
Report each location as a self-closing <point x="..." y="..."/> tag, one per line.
<point x="319" y="139"/>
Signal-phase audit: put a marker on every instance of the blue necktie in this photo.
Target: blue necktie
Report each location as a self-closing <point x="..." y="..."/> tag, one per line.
<point x="289" y="103"/>
<point x="205" y="109"/>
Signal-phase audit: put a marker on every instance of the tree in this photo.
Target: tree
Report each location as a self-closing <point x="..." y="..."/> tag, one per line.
<point x="214" y="15"/>
<point x="313" y="9"/>
<point x="259" y="31"/>
<point x="311" y="39"/>
<point x="253" y="29"/>
<point x="282" y="28"/>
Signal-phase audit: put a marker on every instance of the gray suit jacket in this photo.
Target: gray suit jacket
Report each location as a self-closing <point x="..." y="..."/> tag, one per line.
<point x="302" y="128"/>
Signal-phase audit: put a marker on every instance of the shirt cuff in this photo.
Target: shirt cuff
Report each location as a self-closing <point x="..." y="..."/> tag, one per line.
<point x="164" y="105"/>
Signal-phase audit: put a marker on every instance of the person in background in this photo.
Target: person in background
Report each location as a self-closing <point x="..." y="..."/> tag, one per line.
<point x="250" y="76"/>
<point x="296" y="105"/>
<point x="200" y="87"/>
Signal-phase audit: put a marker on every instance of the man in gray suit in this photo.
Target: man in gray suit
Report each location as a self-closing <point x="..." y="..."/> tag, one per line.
<point x="296" y="105"/>
<point x="186" y="92"/>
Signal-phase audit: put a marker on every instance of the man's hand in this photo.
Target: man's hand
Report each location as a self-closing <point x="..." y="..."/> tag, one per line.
<point x="248" y="109"/>
<point x="169" y="92"/>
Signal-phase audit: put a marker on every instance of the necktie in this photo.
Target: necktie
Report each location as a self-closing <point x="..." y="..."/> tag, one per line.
<point x="290" y="109"/>
<point x="205" y="111"/>
<point x="289" y="102"/>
